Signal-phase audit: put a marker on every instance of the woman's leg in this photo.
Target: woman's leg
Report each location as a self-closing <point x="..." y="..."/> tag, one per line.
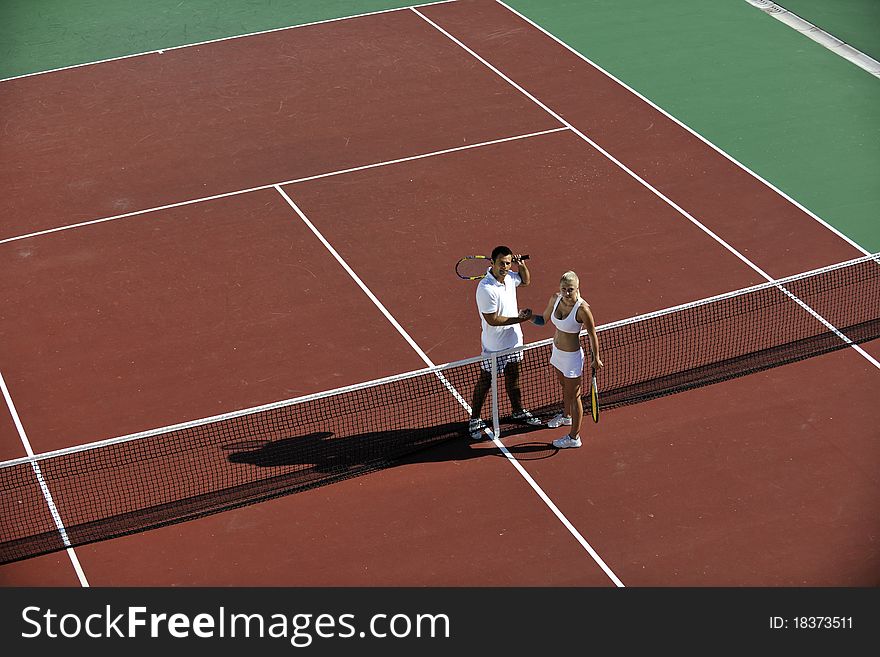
<point x="566" y="409"/>
<point x="573" y="404"/>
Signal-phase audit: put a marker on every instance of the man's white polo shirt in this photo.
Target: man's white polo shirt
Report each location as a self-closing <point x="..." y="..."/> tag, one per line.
<point x="500" y="298"/>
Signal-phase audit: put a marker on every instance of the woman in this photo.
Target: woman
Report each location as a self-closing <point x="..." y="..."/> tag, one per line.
<point x="570" y="314"/>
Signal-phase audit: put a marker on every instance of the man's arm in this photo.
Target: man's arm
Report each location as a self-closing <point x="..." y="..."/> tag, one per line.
<point x="523" y="271"/>
<point x="494" y="319"/>
<point x="489" y="302"/>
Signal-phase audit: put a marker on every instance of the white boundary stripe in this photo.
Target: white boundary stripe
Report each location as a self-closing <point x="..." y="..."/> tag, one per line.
<point x="571" y="528"/>
<point x="437" y="370"/>
<point x="735" y="293"/>
<point x="356" y="278"/>
<point x="372" y="297"/>
<point x="729" y="157"/>
<point x="229" y="38"/>
<point x="536" y="26"/>
<point x="613" y="159"/>
<point x="44" y="488"/>
<point x="778" y="283"/>
<point x="191" y="424"/>
<point x="394" y="322"/>
<point x="457" y="395"/>
<point x="828" y="325"/>
<point x="294" y="181"/>
<point x="426" y="370"/>
<point x="820" y="36"/>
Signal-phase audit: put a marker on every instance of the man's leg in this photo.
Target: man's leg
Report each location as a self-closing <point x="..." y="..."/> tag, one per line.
<point x="480" y="392"/>
<point x="476" y="426"/>
<point x="514" y="392"/>
<point x="511" y="383"/>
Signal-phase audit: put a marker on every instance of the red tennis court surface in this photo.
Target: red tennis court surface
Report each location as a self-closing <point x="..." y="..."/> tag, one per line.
<point x="407" y="139"/>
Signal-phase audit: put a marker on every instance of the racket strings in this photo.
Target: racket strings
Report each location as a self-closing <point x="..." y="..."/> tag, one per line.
<point x="472" y="267"/>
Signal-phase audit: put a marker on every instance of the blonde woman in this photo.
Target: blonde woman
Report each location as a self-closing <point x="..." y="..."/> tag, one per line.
<point x="570" y="314"/>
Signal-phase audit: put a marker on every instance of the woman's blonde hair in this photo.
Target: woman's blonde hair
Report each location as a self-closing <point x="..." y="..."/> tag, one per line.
<point x="570" y="277"/>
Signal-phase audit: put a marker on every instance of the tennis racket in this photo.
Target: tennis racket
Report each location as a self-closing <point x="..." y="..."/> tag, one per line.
<point x="473" y="267"/>
<point x="594" y="398"/>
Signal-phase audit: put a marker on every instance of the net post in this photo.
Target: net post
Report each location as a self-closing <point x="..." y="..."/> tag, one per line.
<point x="496" y="422"/>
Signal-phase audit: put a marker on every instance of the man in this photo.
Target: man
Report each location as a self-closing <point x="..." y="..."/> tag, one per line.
<point x="500" y="319"/>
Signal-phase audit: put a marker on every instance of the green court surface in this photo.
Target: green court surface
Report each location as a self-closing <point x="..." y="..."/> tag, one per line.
<point x="795" y="113"/>
<point x="46" y="34"/>
<point x="856" y="22"/>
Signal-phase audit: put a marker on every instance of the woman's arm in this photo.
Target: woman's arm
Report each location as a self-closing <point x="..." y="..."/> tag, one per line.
<point x="585" y="317"/>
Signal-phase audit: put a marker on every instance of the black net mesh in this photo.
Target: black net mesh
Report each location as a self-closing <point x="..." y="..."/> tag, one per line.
<point x="79" y="496"/>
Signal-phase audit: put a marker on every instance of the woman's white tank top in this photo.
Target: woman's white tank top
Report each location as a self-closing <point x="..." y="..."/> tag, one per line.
<point x="570" y="323"/>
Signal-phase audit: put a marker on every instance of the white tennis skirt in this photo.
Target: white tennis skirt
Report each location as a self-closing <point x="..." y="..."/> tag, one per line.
<point x="570" y="363"/>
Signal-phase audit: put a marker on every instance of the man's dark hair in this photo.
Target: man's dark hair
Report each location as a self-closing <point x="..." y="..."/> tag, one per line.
<point x="500" y="251"/>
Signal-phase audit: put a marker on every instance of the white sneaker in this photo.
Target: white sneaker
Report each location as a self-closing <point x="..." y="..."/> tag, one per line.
<point x="559" y="420"/>
<point x="567" y="441"/>
<point x="476" y="427"/>
<point x="526" y="417"/>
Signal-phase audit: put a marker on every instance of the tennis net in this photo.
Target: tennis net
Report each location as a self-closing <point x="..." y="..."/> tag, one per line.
<point x="115" y="487"/>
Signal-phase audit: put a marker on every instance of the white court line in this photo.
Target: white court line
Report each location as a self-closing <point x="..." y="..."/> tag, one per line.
<point x="729" y="157"/>
<point x="412" y="343"/>
<point x="388" y="315"/>
<point x="229" y="38"/>
<point x="213" y="419"/>
<point x="356" y="278"/>
<point x="202" y="199"/>
<point x="642" y="182"/>
<point x="372" y="297"/>
<point x="431" y="369"/>
<point x="820" y="36"/>
<point x="781" y="193"/>
<point x="44" y="488"/>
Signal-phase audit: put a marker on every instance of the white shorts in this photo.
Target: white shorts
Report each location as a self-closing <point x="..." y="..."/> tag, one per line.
<point x="570" y="363"/>
<point x="503" y="361"/>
